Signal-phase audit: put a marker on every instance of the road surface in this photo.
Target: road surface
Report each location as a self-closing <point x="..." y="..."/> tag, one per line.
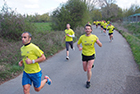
<point x="115" y="71"/>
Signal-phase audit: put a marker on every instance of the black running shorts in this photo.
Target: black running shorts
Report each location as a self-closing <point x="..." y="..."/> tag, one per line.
<point x="104" y="28"/>
<point x="87" y="58"/>
<point x="110" y="34"/>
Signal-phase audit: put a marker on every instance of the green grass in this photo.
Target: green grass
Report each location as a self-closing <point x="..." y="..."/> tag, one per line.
<point x="134" y="43"/>
<point x="43" y="27"/>
<point x="134" y="29"/>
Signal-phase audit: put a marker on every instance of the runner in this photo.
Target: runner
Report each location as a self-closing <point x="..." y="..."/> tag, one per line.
<point x="97" y="22"/>
<point x="89" y="23"/>
<point x="69" y="34"/>
<point x="102" y="24"/>
<point x="104" y="27"/>
<point x="32" y="73"/>
<point x="108" y="22"/>
<point x="111" y="28"/>
<point x="88" y="51"/>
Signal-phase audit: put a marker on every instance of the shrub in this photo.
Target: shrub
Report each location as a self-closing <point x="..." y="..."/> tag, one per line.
<point x="12" y="24"/>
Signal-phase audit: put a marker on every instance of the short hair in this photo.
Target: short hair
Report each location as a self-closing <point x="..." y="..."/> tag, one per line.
<point x="30" y="35"/>
<point x="88" y="25"/>
<point x="110" y="23"/>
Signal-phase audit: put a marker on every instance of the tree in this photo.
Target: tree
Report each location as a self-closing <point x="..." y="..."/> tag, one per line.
<point x="96" y="14"/>
<point x="74" y="12"/>
<point x="112" y="11"/>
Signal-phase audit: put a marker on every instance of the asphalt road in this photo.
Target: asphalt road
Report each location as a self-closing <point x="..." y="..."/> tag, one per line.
<point x="115" y="71"/>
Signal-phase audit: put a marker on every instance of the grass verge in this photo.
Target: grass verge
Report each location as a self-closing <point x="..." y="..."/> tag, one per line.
<point x="134" y="43"/>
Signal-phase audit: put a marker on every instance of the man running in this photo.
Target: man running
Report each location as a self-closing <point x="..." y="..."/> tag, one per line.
<point x="104" y="27"/>
<point x="89" y="23"/>
<point x="97" y="22"/>
<point x="32" y="73"/>
<point x="88" y="51"/>
<point x="102" y="24"/>
<point x="111" y="28"/>
<point x="69" y="34"/>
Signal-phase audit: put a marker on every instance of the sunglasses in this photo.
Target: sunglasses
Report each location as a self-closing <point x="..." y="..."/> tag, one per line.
<point x="24" y="37"/>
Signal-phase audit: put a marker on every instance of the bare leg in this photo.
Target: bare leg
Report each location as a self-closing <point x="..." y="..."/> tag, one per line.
<point x="67" y="53"/>
<point x="89" y="72"/>
<point x="85" y="66"/>
<point x="26" y="89"/>
<point x="43" y="82"/>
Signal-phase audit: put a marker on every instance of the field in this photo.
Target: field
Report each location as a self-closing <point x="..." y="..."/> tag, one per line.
<point x="49" y="41"/>
<point x="43" y="27"/>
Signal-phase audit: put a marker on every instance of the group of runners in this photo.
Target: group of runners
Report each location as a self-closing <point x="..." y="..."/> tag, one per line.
<point x="32" y="55"/>
<point x="88" y="51"/>
<point x="104" y="27"/>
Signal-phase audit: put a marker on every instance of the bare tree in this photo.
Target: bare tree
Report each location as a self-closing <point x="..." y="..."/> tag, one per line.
<point x="104" y="3"/>
<point x="91" y="3"/>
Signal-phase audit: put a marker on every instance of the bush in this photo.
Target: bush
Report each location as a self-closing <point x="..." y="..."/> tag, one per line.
<point x="13" y="25"/>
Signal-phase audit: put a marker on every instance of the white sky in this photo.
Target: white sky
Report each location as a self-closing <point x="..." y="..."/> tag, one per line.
<point x="44" y="6"/>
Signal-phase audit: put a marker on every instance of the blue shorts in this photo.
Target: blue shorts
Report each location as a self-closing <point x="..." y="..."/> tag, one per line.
<point x="29" y="78"/>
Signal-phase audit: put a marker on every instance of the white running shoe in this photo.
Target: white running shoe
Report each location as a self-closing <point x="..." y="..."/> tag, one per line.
<point x="67" y="57"/>
<point x="73" y="49"/>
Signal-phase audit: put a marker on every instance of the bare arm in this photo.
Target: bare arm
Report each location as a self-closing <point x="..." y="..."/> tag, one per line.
<point x="80" y="48"/>
<point x="40" y="59"/>
<point x="99" y="43"/>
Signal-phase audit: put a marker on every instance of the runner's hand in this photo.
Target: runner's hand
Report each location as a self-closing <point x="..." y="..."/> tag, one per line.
<point x="80" y="48"/>
<point x="28" y="61"/>
<point x="20" y="63"/>
<point x="67" y="34"/>
<point x="97" y="40"/>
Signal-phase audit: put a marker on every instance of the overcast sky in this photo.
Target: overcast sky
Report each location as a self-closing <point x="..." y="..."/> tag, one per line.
<point x="44" y="6"/>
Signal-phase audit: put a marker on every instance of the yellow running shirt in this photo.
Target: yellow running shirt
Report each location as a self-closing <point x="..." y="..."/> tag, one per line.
<point x="97" y="22"/>
<point x="110" y="28"/>
<point x="108" y="22"/>
<point x="32" y="52"/>
<point x="70" y="32"/>
<point x="88" y="44"/>
<point x="102" y="23"/>
<point x="105" y="25"/>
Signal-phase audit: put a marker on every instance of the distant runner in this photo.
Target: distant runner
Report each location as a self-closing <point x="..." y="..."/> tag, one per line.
<point x="69" y="34"/>
<point x="105" y="27"/>
<point x="111" y="28"/>
<point x="32" y="73"/>
<point x="89" y="23"/>
<point x="97" y="22"/>
<point x="88" y="51"/>
<point x="102" y="23"/>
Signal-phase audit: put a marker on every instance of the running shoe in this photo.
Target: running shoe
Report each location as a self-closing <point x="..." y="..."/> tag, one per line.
<point x="73" y="48"/>
<point x="49" y="81"/>
<point x="112" y="38"/>
<point x="67" y="57"/>
<point x="110" y="41"/>
<point x="88" y="84"/>
<point x="93" y="66"/>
